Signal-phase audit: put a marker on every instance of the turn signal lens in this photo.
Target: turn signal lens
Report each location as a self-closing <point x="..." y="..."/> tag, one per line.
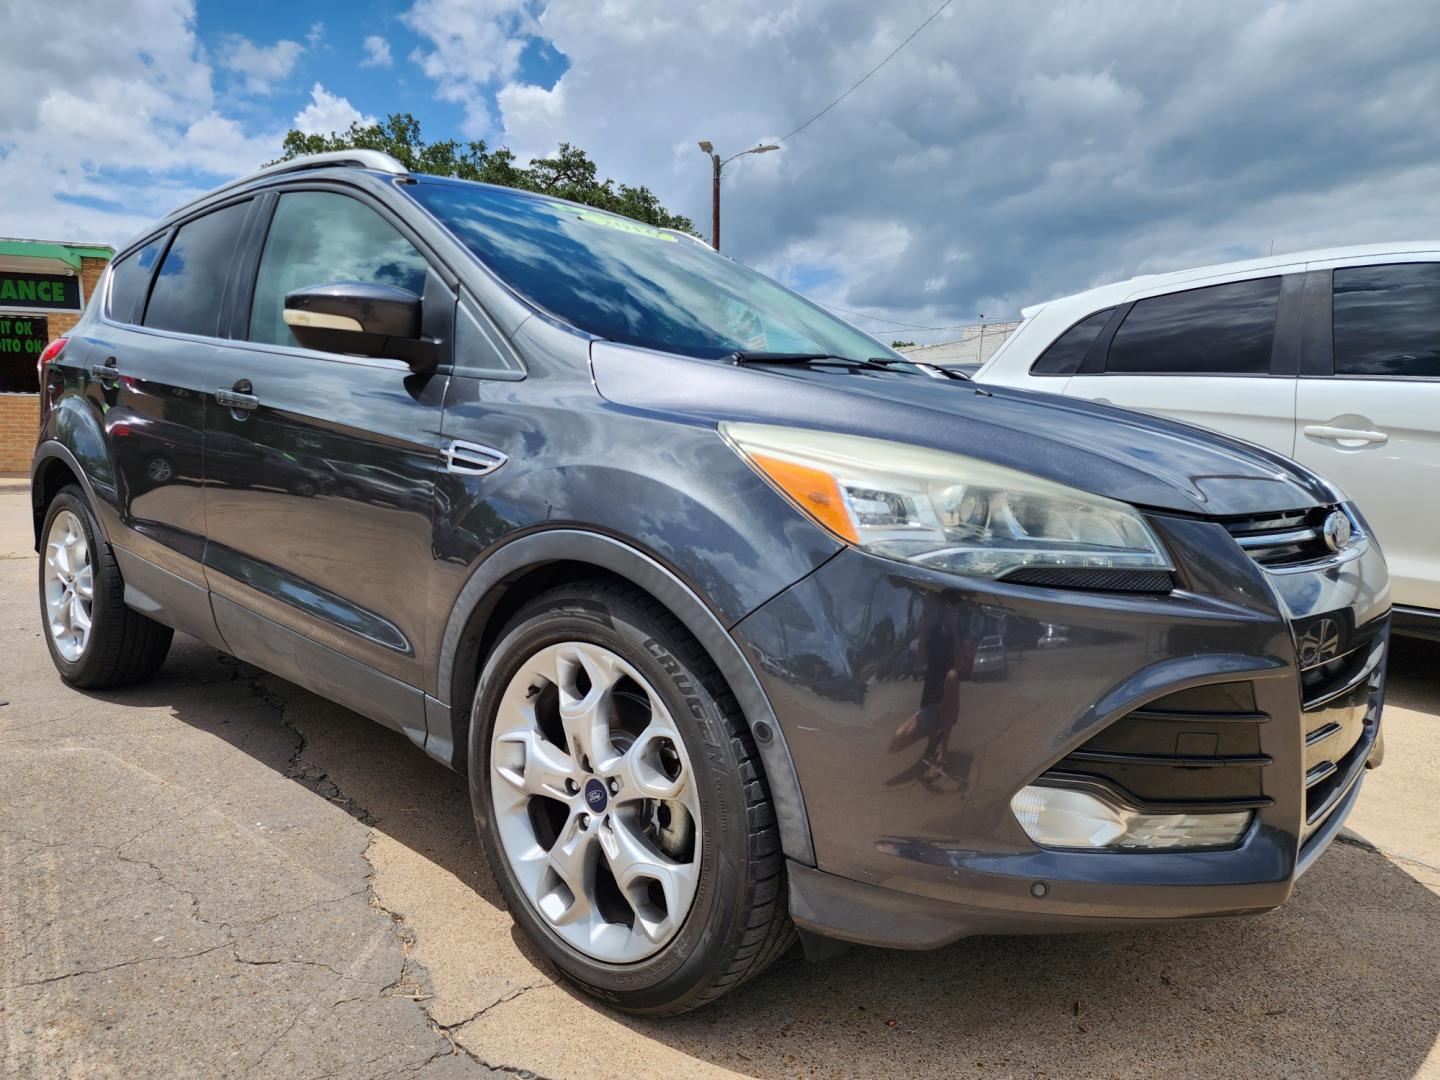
<point x="1067" y="818"/>
<point x="816" y="491"/>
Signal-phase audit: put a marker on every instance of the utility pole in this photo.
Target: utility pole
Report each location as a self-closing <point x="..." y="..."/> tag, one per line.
<point x="707" y="147"/>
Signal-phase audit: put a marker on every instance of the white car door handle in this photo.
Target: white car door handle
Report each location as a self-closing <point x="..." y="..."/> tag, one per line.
<point x="1341" y="434"/>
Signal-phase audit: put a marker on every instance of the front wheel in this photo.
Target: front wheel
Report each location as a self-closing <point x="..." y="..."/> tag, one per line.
<point x="94" y="639"/>
<point x="620" y="801"/>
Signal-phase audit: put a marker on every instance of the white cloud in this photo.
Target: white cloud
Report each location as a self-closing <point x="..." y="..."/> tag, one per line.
<point x="472" y="44"/>
<point x="328" y="113"/>
<point x="1012" y="152"/>
<point x="377" y="52"/>
<point x="113" y="123"/>
<point x="260" y="66"/>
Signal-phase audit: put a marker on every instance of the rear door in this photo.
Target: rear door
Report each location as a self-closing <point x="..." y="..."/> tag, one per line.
<point x="1221" y="356"/>
<point x="1368" y="406"/>
<point x="150" y="363"/>
<point x="320" y="468"/>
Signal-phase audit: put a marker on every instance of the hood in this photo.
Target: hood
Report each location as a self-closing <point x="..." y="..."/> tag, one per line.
<point x="1143" y="460"/>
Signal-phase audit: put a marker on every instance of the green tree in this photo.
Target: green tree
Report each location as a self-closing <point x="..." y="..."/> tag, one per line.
<point x="901" y="344"/>
<point x="570" y="174"/>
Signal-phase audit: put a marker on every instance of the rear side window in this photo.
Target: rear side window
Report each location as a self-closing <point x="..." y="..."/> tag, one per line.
<point x="191" y="284"/>
<point x="1065" y="353"/>
<point x="319" y="237"/>
<point x="1219" y="330"/>
<point x="1387" y="320"/>
<point x="128" y="281"/>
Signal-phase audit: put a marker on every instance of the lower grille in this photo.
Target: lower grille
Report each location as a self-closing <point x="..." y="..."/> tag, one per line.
<point x="1207" y="748"/>
<point x="1197" y="749"/>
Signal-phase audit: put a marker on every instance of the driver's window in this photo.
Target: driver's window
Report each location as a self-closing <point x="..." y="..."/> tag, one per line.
<point x="319" y="237"/>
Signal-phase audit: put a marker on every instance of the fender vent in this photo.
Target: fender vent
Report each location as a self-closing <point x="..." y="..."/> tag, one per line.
<point x="472" y="459"/>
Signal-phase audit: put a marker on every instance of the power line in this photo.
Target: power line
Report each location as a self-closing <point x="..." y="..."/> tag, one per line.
<point x="867" y="75"/>
<point x="892" y="322"/>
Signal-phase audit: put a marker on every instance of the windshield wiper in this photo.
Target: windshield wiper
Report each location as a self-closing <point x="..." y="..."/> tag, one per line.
<point x="935" y="371"/>
<point x="874" y="363"/>
<point x="743" y="356"/>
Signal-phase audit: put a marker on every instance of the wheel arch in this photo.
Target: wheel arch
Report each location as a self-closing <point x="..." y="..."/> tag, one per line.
<point x="54" y="467"/>
<point x="527" y="565"/>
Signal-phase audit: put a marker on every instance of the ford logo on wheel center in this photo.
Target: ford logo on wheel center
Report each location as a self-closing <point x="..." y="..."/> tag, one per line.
<point x="595" y="796"/>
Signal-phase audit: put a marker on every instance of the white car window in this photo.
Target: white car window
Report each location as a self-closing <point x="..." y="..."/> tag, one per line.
<point x="1387" y="320"/>
<point x="1063" y="357"/>
<point x="1224" y="329"/>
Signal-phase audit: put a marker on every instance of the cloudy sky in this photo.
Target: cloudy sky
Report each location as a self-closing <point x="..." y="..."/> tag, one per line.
<point x="1012" y="152"/>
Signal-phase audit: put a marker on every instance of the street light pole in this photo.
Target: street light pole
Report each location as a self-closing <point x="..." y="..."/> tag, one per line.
<point x="715" y="204"/>
<point x="708" y="148"/>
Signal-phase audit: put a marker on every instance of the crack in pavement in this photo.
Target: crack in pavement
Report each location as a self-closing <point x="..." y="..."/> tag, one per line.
<point x="503" y="999"/>
<point x="406" y="984"/>
<point x="115" y="967"/>
<point x="410" y="981"/>
<point x="306" y="774"/>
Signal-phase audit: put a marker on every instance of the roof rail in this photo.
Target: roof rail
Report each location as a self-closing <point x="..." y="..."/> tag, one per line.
<point x="355" y="159"/>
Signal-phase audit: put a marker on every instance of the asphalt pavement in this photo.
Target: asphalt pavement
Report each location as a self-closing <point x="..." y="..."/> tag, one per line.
<point x="218" y="874"/>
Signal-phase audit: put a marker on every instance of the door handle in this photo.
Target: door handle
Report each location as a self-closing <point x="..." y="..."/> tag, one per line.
<point x="1345" y="435"/>
<point x="238" y="397"/>
<point x="106" y="372"/>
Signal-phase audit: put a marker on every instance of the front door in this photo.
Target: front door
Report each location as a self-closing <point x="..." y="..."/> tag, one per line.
<point x="320" y="468"/>
<point x="1373" y="424"/>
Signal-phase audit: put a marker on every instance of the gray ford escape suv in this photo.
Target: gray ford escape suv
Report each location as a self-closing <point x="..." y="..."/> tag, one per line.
<point x="737" y="622"/>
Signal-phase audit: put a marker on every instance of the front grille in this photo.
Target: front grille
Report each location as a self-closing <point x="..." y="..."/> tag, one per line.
<point x="1283" y="539"/>
<point x="1197" y="749"/>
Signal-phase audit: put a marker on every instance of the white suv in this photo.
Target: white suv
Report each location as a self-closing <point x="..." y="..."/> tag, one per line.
<point x="1330" y="357"/>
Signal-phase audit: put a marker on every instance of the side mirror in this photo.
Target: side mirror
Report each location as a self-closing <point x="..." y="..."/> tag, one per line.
<point x="360" y="319"/>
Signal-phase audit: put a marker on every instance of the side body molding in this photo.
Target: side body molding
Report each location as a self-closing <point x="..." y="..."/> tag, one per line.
<point x="573" y="545"/>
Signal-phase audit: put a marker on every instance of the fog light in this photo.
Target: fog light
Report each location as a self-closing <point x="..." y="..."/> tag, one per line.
<point x="1067" y="818"/>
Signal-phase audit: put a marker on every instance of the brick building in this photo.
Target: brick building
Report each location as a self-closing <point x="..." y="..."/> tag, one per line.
<point x="44" y="286"/>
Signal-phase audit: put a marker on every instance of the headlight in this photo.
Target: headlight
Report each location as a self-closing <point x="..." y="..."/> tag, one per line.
<point x="1066" y="818"/>
<point x="945" y="510"/>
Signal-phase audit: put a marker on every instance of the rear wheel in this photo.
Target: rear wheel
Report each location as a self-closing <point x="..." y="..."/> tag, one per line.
<point x="94" y="639"/>
<point x="619" y="798"/>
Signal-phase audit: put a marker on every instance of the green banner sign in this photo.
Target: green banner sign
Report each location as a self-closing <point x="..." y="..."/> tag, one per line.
<point x="50" y="292"/>
<point x="21" y="343"/>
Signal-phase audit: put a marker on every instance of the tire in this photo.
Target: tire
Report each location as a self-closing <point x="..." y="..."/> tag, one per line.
<point x="122" y="646"/>
<point x="737" y="923"/>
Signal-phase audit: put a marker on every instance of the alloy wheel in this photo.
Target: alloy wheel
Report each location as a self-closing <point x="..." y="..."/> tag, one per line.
<point x="69" y="586"/>
<point x="595" y="802"/>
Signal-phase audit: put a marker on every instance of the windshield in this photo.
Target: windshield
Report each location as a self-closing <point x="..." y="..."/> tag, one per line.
<point x="625" y="281"/>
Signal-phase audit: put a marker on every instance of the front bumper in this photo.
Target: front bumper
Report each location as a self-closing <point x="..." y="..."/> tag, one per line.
<point x="911" y="729"/>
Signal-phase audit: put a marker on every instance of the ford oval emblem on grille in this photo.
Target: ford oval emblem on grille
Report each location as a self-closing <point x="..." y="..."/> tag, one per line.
<point x="1320" y="643"/>
<point x="1337" y="530"/>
